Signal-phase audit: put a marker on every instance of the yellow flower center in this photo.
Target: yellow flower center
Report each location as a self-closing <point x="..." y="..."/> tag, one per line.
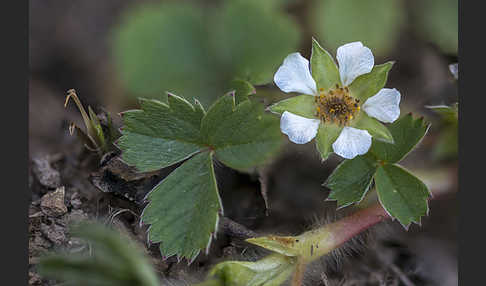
<point x="336" y="106"/>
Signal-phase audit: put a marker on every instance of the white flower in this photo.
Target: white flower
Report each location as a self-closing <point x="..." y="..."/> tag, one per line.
<point x="354" y="59"/>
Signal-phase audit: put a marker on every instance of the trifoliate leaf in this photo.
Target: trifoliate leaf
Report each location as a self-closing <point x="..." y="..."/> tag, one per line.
<point x="326" y="135"/>
<point x="303" y="105"/>
<point x="351" y="180"/>
<point x="160" y="134"/>
<point x="369" y="84"/>
<point x="324" y="70"/>
<point x="272" y="270"/>
<point x="242" y="89"/>
<point x="373" y="126"/>
<point x="183" y="209"/>
<point x="241" y="136"/>
<point x="407" y="133"/>
<point x="401" y="194"/>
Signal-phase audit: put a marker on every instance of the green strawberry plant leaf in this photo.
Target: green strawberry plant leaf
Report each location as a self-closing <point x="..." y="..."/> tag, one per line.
<point x="351" y="180"/>
<point x="243" y="138"/>
<point x="407" y="132"/>
<point x="401" y="194"/>
<point x="172" y="127"/>
<point x="183" y="208"/>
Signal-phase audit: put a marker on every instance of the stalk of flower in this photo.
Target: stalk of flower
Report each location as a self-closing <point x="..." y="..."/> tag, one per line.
<point x="340" y="107"/>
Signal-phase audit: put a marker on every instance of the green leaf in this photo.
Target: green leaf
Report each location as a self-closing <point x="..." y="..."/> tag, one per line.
<point x="251" y="39"/>
<point x="437" y="22"/>
<point x="376" y="23"/>
<point x="162" y="47"/>
<point x="401" y="194"/>
<point x="303" y="105"/>
<point x="272" y="270"/>
<point x="448" y="113"/>
<point x="324" y="70"/>
<point x="115" y="260"/>
<point x="242" y="89"/>
<point x="373" y="126"/>
<point x="160" y="134"/>
<point x="407" y="133"/>
<point x="242" y="138"/>
<point x="326" y="135"/>
<point x="447" y="142"/>
<point x="183" y="209"/>
<point x="351" y="180"/>
<point x="369" y="84"/>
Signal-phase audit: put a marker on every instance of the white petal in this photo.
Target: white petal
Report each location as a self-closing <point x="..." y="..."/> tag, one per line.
<point x="354" y="60"/>
<point x="294" y="75"/>
<point x="299" y="129"/>
<point x="384" y="105"/>
<point x="352" y="142"/>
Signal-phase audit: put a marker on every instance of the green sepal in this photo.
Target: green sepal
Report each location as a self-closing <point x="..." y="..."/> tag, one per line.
<point x="183" y="209"/>
<point x="326" y="135"/>
<point x="407" y="132"/>
<point x="401" y="194"/>
<point x="369" y="84"/>
<point x="351" y="180"/>
<point x="285" y="245"/>
<point x="302" y="105"/>
<point x="376" y="129"/>
<point x="324" y="70"/>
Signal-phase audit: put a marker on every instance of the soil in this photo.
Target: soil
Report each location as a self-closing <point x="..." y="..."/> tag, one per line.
<point x="69" y="183"/>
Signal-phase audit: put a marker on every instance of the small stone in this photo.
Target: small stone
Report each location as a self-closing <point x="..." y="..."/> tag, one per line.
<point x="76" y="200"/>
<point x="54" y="232"/>
<point x="45" y="174"/>
<point x="52" y="203"/>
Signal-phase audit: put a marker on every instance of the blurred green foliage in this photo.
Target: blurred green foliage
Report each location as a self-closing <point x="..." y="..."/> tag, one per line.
<point x="376" y="23"/>
<point x="437" y="21"/>
<point x="447" y="142"/>
<point x="195" y="51"/>
<point x="114" y="260"/>
<point x="197" y="48"/>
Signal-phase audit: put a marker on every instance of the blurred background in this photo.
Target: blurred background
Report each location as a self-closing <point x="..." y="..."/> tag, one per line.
<point x="114" y="51"/>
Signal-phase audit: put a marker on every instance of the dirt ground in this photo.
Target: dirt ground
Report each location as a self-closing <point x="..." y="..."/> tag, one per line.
<point x="68" y="183"/>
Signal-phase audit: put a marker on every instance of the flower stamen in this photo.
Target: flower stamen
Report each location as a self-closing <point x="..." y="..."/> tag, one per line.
<point x="336" y="106"/>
